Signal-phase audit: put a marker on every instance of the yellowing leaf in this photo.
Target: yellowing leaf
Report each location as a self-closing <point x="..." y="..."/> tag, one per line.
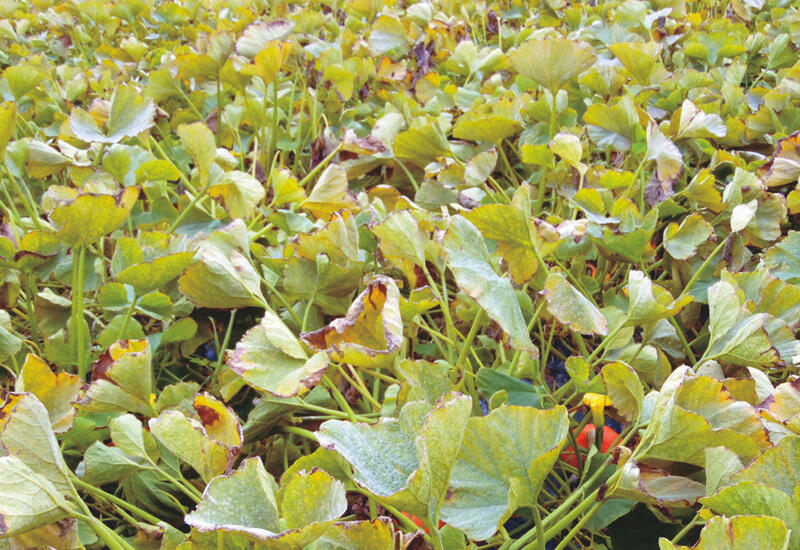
<point x="330" y="193"/>
<point x="571" y="307"/>
<point x="84" y="220"/>
<point x="56" y="391"/>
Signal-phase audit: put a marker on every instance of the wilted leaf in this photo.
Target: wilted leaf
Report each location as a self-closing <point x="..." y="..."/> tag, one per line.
<point x="26" y="434"/>
<point x="210" y="444"/>
<point x="330" y="193"/>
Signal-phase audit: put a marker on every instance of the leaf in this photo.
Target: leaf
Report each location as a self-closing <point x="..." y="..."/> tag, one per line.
<point x="401" y="241"/>
<point x="270" y="358"/>
<point x="486" y="488"/>
<point x="23" y="78"/>
<point x="198" y="140"/>
<point x="639" y="59"/>
<point x="508" y="226"/>
<point x="669" y="161"/>
<point x="27" y="499"/>
<point x="122" y="380"/>
<point x="243" y="501"/>
<point x="83" y="221"/>
<point x="572" y="308"/>
<point x="387" y="34"/>
<point x="10" y="341"/>
<point x="681" y="241"/>
<point x="421" y="145"/>
<point x="654" y="486"/>
<point x="130" y="115"/>
<point x="224" y="278"/>
<point x="694" y="412"/>
<point x="738" y="336"/>
<point x="371" y="333"/>
<point x="612" y="126"/>
<point x="490" y="128"/>
<point x="26" y="434"/>
<point x="470" y="263"/>
<point x="784" y="165"/>
<point x="8" y="117"/>
<point x="209" y="445"/>
<point x="258" y="35"/>
<point x="742" y="215"/>
<point x="568" y="146"/>
<point x="56" y="391"/>
<point x="357" y="535"/>
<point x="782" y="261"/>
<point x="695" y="123"/>
<point x="309" y="497"/>
<point x="624" y="389"/>
<point x="240" y="193"/>
<point x="330" y="193"/>
<point x="649" y="302"/>
<point x="552" y="62"/>
<point x="738" y="533"/>
<point x="756" y="499"/>
<point x="775" y="466"/>
<point x="404" y="462"/>
<point x="147" y="276"/>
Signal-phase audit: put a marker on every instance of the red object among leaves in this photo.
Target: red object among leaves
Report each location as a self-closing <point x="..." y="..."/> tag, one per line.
<point x="418" y="522"/>
<point x="609" y="436"/>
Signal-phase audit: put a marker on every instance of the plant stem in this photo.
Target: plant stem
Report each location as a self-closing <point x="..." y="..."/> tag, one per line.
<point x="702" y="268"/>
<point x="78" y="335"/>
<point x="103" y="495"/>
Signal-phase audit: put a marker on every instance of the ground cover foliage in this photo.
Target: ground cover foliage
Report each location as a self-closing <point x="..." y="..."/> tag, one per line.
<point x="367" y="275"/>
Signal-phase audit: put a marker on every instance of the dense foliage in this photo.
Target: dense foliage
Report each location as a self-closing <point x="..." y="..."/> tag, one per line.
<point x="359" y="275"/>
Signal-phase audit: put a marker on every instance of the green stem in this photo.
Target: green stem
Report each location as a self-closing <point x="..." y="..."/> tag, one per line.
<point x="703" y="267"/>
<point x="188" y="209"/>
<point x="461" y="363"/>
<point x="111" y="539"/>
<point x="79" y="335"/>
<point x="273" y="131"/>
<point x="103" y="495"/>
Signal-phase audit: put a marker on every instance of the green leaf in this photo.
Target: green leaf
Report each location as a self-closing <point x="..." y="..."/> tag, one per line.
<point x="8" y="118"/>
<point x="26" y="434"/>
<point x="27" y="500"/>
<point x="669" y="161"/>
<point x="782" y="260"/>
<point x="224" y="277"/>
<point x="155" y="274"/>
<point x="552" y="62"/>
<point x="130" y="115"/>
<point x="612" y="126"/>
<point x="469" y="260"/>
<point x="486" y="488"/>
<point x="572" y="308"/>
<point x="240" y="193"/>
<point x="10" y="341"/>
<point x="22" y="79"/>
<point x="639" y="59"/>
<point x="775" y="466"/>
<point x="421" y="145"/>
<point x="738" y="533"/>
<point x="270" y="358"/>
<point x="654" y="486"/>
<point x="371" y="333"/>
<point x="199" y="142"/>
<point x="404" y="462"/>
<point x="681" y="241"/>
<point x="649" y="302"/>
<point x="243" y="501"/>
